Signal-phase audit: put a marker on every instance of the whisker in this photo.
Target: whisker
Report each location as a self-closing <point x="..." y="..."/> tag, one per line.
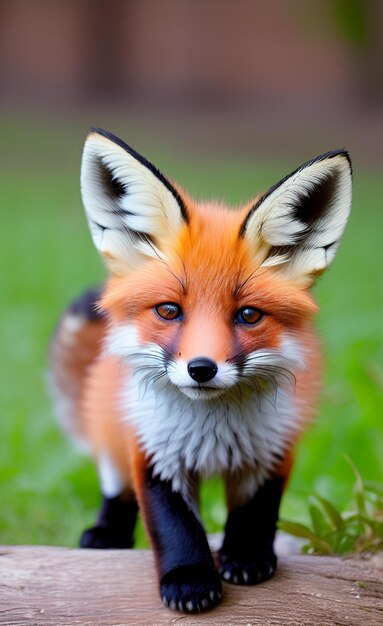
<point x="243" y="284"/>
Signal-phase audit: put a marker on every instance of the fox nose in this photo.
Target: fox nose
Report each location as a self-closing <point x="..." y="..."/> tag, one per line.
<point x="202" y="369"/>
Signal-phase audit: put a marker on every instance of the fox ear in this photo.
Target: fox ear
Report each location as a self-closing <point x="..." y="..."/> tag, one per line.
<point x="297" y="225"/>
<point x="132" y="209"/>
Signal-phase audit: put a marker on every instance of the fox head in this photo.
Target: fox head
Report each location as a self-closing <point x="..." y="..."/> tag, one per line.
<point x="203" y="298"/>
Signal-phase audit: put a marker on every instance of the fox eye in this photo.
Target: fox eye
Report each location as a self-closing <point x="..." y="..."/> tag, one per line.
<point x="169" y="311"/>
<point x="248" y="315"/>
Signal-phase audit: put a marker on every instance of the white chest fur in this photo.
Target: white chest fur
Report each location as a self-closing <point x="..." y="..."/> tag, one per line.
<point x="211" y="437"/>
<point x="241" y="431"/>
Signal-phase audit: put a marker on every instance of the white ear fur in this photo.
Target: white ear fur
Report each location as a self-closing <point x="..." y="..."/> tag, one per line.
<point x="132" y="209"/>
<point x="297" y="225"/>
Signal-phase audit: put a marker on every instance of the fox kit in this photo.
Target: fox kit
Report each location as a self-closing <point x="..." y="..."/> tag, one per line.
<point x="198" y="358"/>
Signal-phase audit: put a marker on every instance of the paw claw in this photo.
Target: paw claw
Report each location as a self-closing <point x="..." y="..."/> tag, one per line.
<point x="213" y="596"/>
<point x="247" y="569"/>
<point x="191" y="588"/>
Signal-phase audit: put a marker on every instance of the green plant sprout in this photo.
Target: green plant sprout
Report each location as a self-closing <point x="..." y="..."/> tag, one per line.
<point x="332" y="532"/>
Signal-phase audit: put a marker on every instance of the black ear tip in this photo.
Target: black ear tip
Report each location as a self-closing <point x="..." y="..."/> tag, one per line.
<point x="331" y="154"/>
<point x="116" y="140"/>
<point x="346" y="154"/>
<point x="97" y="129"/>
<point x="342" y="152"/>
<point x="104" y="133"/>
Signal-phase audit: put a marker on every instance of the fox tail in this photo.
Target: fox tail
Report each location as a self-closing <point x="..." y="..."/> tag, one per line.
<point x="74" y="346"/>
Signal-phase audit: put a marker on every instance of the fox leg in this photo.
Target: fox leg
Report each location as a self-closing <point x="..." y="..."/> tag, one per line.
<point x="118" y="514"/>
<point x="247" y="555"/>
<point x="188" y="579"/>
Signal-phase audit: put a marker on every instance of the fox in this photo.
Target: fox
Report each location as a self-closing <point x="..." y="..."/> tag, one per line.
<point x="198" y="358"/>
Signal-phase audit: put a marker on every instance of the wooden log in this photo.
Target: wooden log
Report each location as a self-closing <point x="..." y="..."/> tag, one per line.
<point x="46" y="586"/>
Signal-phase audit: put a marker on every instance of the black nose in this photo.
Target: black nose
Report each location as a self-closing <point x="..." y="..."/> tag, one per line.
<point x="202" y="369"/>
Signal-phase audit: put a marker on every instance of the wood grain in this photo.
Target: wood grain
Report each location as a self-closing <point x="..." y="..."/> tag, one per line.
<point x="46" y="586"/>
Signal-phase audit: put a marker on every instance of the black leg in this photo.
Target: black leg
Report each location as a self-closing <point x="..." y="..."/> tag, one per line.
<point x="247" y="556"/>
<point x="189" y="580"/>
<point x="115" y="525"/>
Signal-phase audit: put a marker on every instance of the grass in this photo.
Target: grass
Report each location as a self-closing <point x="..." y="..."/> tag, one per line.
<point x="48" y="491"/>
<point x="332" y="531"/>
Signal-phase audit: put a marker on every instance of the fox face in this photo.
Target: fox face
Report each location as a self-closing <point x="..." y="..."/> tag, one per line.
<point x="202" y="297"/>
<point x="210" y="320"/>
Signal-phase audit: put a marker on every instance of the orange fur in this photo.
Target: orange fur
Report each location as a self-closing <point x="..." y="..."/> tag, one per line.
<point x="211" y="274"/>
<point x="201" y="360"/>
<point x="71" y="352"/>
<point x="101" y="414"/>
<point x="217" y="275"/>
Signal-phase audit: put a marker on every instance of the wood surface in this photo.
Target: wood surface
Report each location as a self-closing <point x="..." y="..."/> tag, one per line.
<point x="47" y="586"/>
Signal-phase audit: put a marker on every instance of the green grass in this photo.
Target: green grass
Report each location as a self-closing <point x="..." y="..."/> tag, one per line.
<point x="333" y="531"/>
<point x="48" y="491"/>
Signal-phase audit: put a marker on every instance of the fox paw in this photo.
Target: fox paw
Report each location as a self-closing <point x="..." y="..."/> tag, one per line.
<point x="104" y="537"/>
<point x="247" y="570"/>
<point x="191" y="588"/>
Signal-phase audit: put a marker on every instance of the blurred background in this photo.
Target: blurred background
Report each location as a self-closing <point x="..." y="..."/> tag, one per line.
<point x="225" y="98"/>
